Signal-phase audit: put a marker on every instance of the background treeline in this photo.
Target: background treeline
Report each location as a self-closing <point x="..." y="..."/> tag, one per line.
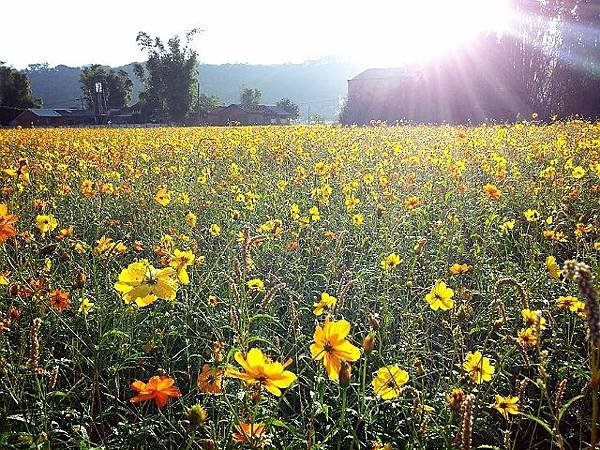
<point x="548" y="64"/>
<point x="315" y="86"/>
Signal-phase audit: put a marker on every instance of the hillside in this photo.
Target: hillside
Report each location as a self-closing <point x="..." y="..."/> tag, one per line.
<point x="315" y="86"/>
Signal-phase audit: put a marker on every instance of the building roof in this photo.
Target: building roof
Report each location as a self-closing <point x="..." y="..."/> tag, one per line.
<point x="390" y="72"/>
<point x="44" y="112"/>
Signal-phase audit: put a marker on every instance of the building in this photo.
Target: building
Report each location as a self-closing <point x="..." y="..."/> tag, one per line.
<point x="236" y="114"/>
<point x="455" y="90"/>
<point x="67" y="117"/>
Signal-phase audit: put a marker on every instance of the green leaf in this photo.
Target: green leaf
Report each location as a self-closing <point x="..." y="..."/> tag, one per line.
<point x="539" y="422"/>
<point x="566" y="406"/>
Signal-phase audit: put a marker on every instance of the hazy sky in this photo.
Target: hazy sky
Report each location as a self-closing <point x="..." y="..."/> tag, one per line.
<point x="385" y="32"/>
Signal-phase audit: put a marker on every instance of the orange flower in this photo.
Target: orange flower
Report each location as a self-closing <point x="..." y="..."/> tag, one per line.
<point x="59" y="299"/>
<point x="159" y="388"/>
<point x="457" y="269"/>
<point x="210" y="380"/>
<point x="492" y="191"/>
<point x="6" y="224"/>
<point x="252" y="433"/>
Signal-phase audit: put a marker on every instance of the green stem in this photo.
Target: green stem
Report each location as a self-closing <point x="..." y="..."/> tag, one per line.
<point x="342" y="419"/>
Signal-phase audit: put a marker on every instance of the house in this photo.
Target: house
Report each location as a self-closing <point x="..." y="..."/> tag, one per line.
<point x="236" y="114"/>
<point x="68" y="117"/>
<point x="455" y="90"/>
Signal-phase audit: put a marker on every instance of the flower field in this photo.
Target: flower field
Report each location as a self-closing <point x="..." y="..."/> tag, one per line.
<point x="303" y="287"/>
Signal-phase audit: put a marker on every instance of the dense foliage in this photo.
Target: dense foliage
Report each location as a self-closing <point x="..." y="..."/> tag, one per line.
<point x="299" y="287"/>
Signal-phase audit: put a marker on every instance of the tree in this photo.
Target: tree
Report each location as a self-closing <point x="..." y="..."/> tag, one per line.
<point x="116" y="87"/>
<point x="15" y="89"/>
<point x="287" y="105"/>
<point x="250" y="97"/>
<point x="169" y="76"/>
<point x="207" y="103"/>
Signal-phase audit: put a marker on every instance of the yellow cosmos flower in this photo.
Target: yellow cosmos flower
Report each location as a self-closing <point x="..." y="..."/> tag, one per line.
<point x="163" y="196"/>
<point x="258" y="369"/>
<point x="553" y="267"/>
<point x="578" y="172"/>
<point x="390" y="261"/>
<point x="573" y="303"/>
<point x="507" y="405"/>
<point x="85" y="306"/>
<point x="191" y="219"/>
<point x="358" y="219"/>
<point x="507" y="225"/>
<point x="440" y="297"/>
<point x="327" y="302"/>
<point x="256" y="284"/>
<point x="531" y="319"/>
<point x="478" y="367"/>
<point x="332" y="347"/>
<point x="532" y="215"/>
<point x="215" y="230"/>
<point x="141" y="283"/>
<point x="179" y="261"/>
<point x="388" y="382"/>
<point x="46" y="223"/>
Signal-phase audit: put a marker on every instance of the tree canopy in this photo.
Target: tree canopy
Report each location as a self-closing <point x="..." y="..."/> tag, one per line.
<point x="116" y="87"/>
<point x="287" y="105"/>
<point x="15" y="90"/>
<point x="169" y="77"/>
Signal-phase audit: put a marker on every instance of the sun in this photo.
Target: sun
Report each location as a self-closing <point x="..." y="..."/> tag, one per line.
<point x="416" y="31"/>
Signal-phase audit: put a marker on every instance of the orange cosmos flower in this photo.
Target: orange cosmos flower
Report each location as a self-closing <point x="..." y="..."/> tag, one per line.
<point x="457" y="269"/>
<point x="492" y="191"/>
<point x="59" y="299"/>
<point x="159" y="388"/>
<point x="7" y="229"/>
<point x="252" y="433"/>
<point x="210" y="380"/>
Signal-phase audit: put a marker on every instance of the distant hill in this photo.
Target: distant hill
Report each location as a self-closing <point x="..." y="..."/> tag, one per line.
<point x="315" y="86"/>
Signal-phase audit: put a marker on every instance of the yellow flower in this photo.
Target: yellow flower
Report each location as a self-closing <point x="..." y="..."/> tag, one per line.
<point x="532" y="215"/>
<point x="85" y="306"/>
<point x="507" y="225"/>
<point x="531" y="319"/>
<point x="332" y="347"/>
<point x="314" y="213"/>
<point x="412" y="202"/>
<point x="258" y="369"/>
<point x="440" y="297"/>
<point x="215" y="230"/>
<point x="46" y="223"/>
<point x="191" y="219"/>
<point x="573" y="303"/>
<point x="143" y="284"/>
<point x="107" y="247"/>
<point x="578" y="172"/>
<point x="478" y="367"/>
<point x="256" y="284"/>
<point x="507" y="405"/>
<point x="388" y="382"/>
<point x="327" y="301"/>
<point x="179" y="261"/>
<point x="358" y="219"/>
<point x="553" y="268"/>
<point x="390" y="261"/>
<point x="163" y="196"/>
<point x="3" y="279"/>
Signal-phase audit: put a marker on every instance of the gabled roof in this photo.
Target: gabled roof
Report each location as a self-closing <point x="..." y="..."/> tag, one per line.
<point x="391" y="72"/>
<point x="45" y="112"/>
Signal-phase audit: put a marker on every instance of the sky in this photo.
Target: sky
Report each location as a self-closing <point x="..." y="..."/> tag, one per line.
<point x="382" y="32"/>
